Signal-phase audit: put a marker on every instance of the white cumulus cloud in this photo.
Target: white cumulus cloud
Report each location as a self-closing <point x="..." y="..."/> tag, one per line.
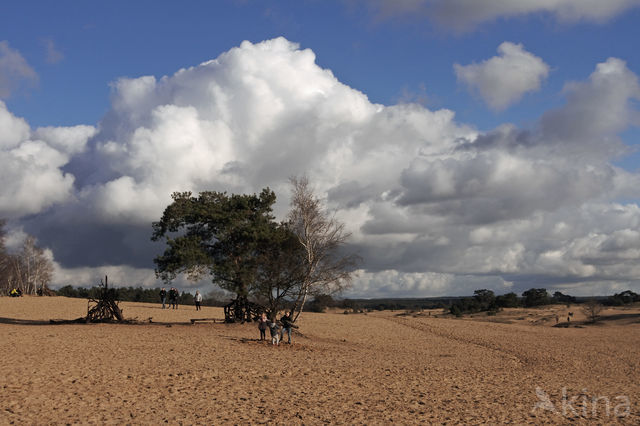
<point x="597" y="110"/>
<point x="435" y="206"/>
<point x="31" y="164"/>
<point x="504" y="79"/>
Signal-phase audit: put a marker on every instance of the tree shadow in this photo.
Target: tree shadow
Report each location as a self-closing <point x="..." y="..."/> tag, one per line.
<point x="601" y="320"/>
<point x="81" y="320"/>
<point x="15" y="321"/>
<point x="614" y="317"/>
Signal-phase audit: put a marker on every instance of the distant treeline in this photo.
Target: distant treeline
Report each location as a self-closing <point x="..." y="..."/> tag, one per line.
<point x="152" y="295"/>
<point x="486" y="301"/>
<point x="139" y="294"/>
<point x="481" y="301"/>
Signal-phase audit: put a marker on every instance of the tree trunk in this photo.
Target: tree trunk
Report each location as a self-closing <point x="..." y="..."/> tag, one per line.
<point x="299" y="304"/>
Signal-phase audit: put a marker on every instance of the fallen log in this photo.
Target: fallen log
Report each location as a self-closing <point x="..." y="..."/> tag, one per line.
<point x="213" y="320"/>
<point x="81" y="320"/>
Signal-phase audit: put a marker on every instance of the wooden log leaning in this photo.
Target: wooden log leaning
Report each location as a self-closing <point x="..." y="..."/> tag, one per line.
<point x="213" y="320"/>
<point x="80" y="320"/>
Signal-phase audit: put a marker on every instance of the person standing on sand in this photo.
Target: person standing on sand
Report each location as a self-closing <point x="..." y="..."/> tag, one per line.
<point x="163" y="296"/>
<point x="262" y="326"/>
<point x="173" y="298"/>
<point x="287" y="324"/>
<point x="198" y="300"/>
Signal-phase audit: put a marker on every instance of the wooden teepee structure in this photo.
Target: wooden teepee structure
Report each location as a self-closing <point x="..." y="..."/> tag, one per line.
<point x="241" y="310"/>
<point x="105" y="308"/>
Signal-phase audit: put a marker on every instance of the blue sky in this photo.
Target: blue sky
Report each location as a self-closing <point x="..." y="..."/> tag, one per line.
<point x="387" y="59"/>
<point x="483" y="89"/>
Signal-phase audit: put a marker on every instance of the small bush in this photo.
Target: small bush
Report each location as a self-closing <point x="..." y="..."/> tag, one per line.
<point x="592" y="310"/>
<point x="455" y="310"/>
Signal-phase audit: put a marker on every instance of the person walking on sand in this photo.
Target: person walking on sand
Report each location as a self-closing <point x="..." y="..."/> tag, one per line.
<point x="198" y="299"/>
<point x="173" y="298"/>
<point x="287" y="325"/>
<point x="262" y="326"/>
<point x="163" y="296"/>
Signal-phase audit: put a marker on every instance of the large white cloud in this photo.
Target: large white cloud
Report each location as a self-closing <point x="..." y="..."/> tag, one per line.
<point x="31" y="164"/>
<point x="503" y="80"/>
<point x="435" y="207"/>
<point x="465" y="14"/>
<point x="596" y="111"/>
<point x="528" y="203"/>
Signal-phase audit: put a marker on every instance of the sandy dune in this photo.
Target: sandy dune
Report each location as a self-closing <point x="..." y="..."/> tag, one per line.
<point x="378" y="368"/>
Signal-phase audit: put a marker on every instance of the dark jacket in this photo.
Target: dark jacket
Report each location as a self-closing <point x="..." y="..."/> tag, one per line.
<point x="287" y="322"/>
<point x="262" y="325"/>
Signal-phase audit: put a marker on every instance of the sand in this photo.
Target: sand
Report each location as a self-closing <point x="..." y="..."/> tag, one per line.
<point x="378" y="368"/>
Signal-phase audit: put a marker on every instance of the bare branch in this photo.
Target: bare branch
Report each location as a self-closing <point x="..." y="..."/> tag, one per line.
<point x="321" y="235"/>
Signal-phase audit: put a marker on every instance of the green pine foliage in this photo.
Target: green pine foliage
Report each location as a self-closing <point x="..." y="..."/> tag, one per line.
<point x="216" y="234"/>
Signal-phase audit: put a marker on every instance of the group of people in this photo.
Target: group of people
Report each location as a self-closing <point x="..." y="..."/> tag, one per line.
<point x="276" y="329"/>
<point x="173" y="298"/>
<point x="16" y="292"/>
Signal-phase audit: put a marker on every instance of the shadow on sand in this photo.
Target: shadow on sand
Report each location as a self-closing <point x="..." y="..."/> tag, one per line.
<point x="15" y="321"/>
<point x="618" y="317"/>
<point x="134" y="321"/>
<point x="625" y="318"/>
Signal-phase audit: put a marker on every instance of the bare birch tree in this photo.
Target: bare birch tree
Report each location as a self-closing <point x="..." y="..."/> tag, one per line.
<point x="326" y="269"/>
<point x="30" y="269"/>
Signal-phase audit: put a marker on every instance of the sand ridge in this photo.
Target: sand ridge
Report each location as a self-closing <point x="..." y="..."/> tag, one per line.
<point x="379" y="368"/>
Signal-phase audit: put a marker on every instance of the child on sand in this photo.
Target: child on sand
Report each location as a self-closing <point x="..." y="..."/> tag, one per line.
<point x="262" y="326"/>
<point x="275" y="333"/>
